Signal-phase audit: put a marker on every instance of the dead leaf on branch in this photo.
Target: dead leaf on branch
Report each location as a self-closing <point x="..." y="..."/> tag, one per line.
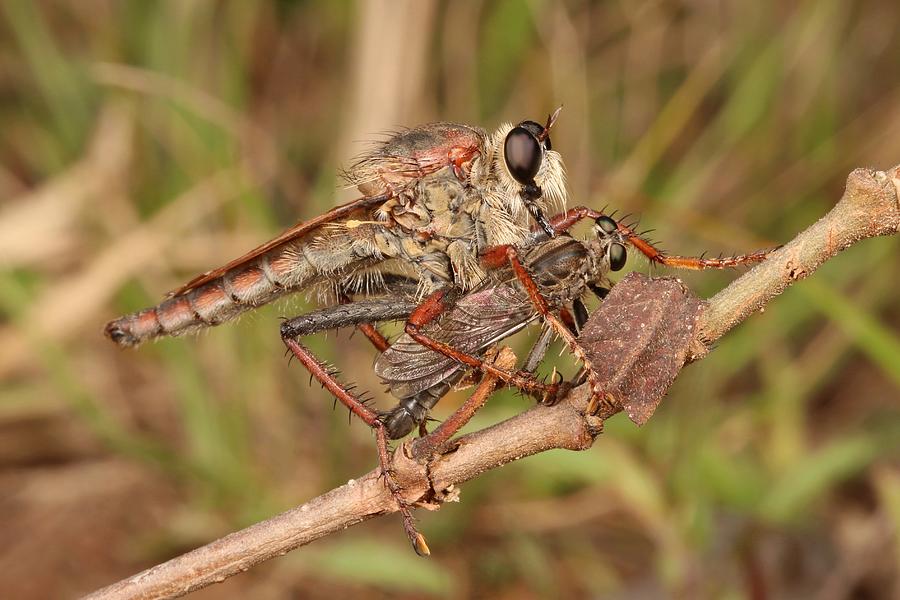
<point x="638" y="340"/>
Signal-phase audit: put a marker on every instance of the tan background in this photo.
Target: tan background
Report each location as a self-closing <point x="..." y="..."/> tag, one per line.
<point x="144" y="142"/>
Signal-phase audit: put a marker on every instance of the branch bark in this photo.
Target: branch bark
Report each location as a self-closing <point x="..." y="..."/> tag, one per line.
<point x="869" y="207"/>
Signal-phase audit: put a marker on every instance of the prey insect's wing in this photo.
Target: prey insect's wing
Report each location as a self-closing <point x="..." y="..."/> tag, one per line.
<point x="474" y="323"/>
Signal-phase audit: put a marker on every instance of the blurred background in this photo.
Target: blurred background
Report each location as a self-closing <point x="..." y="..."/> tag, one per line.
<point x="145" y="142"/>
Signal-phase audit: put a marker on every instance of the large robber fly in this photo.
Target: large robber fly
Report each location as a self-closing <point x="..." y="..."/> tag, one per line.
<point x="444" y="208"/>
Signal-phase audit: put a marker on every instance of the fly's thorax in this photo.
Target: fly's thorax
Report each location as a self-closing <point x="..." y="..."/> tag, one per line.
<point x="413" y="153"/>
<point x="448" y="204"/>
<point x="559" y="267"/>
<point x="605" y="253"/>
<point x="439" y="231"/>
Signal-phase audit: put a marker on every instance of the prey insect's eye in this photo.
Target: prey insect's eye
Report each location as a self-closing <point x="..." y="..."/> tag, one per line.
<point x="523" y="152"/>
<point x="607" y="224"/>
<point x="600" y="292"/>
<point x="617" y="256"/>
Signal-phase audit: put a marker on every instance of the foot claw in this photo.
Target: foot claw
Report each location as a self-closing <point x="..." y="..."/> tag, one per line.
<point x="601" y="401"/>
<point x="557" y="393"/>
<point x="420" y="546"/>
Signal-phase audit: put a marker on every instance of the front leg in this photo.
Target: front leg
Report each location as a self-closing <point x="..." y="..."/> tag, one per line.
<point x="562" y="222"/>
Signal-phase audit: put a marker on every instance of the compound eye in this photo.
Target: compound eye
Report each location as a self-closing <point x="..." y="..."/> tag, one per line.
<point x="607" y="224"/>
<point x="523" y="155"/>
<point x="617" y="256"/>
<point x="600" y="292"/>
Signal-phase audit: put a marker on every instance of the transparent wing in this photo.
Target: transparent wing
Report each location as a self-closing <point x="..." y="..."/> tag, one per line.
<point x="476" y="322"/>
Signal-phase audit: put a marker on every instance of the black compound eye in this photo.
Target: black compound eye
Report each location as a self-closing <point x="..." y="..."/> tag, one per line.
<point x="607" y="224"/>
<point x="523" y="154"/>
<point x="617" y="256"/>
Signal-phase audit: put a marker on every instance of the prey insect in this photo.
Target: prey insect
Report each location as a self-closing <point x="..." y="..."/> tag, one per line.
<point x="447" y="335"/>
<point x="433" y="198"/>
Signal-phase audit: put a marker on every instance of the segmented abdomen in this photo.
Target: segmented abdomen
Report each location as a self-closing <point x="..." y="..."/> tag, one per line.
<point x="264" y="279"/>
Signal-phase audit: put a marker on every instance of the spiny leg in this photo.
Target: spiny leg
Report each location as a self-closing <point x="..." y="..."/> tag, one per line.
<point x="392" y="286"/>
<point x="347" y="315"/>
<point x="598" y="396"/>
<point x="566" y="220"/>
<point x="435" y="305"/>
<point x="428" y="444"/>
<point x="359" y="408"/>
<point x="369" y="330"/>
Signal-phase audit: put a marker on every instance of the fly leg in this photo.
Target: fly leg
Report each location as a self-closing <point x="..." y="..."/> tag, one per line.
<point x="374" y="336"/>
<point x="435" y="305"/>
<point x="333" y="318"/>
<point x="347" y="315"/>
<point x="369" y="330"/>
<point x="391" y="285"/>
<point x="600" y="400"/>
<point x="505" y="359"/>
<point x="564" y="221"/>
<point x="430" y="443"/>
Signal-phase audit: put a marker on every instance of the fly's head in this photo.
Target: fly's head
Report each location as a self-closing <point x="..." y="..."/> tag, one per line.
<point x="527" y="176"/>
<point x="608" y="253"/>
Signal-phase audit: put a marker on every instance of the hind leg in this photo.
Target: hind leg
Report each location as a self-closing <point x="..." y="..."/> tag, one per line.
<point x="335" y="317"/>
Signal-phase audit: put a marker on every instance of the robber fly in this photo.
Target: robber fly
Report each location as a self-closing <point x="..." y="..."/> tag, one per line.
<point x="442" y="210"/>
<point x="433" y="197"/>
<point x="446" y="335"/>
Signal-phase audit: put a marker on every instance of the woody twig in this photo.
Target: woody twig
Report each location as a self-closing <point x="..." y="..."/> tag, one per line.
<point x="869" y="207"/>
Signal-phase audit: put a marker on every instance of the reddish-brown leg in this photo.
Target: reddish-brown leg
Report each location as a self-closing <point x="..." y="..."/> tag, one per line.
<point x="599" y="397"/>
<point x="370" y="417"/>
<point x="428" y="444"/>
<point x="564" y="221"/>
<point x="373" y="335"/>
<point x="431" y="308"/>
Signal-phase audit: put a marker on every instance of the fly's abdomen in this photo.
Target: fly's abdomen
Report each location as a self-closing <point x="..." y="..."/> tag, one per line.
<point x="243" y="288"/>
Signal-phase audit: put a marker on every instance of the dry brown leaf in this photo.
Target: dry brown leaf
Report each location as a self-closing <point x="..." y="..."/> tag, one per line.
<point x="638" y="340"/>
